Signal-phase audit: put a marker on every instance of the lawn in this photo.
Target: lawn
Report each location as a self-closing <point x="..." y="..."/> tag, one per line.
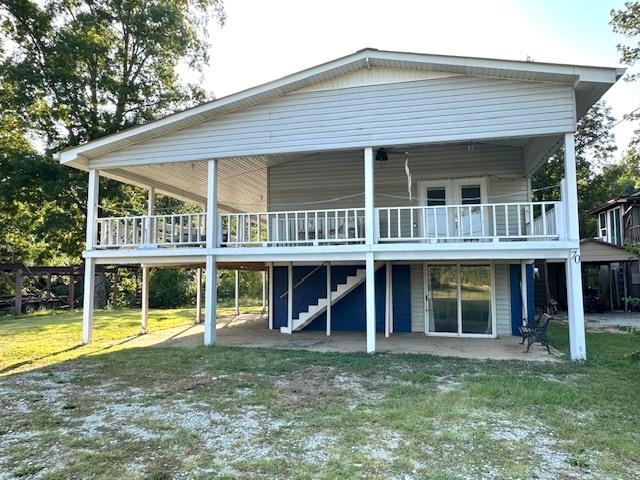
<point x="159" y="413"/>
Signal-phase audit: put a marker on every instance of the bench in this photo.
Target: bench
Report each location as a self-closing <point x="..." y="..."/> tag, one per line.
<point x="536" y="332"/>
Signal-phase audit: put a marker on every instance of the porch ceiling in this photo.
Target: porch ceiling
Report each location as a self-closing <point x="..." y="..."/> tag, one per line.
<point x="243" y="181"/>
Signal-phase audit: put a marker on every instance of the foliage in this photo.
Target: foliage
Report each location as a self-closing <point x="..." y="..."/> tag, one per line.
<point x="171" y="288"/>
<point x="626" y="21"/>
<point x="594" y="147"/>
<point x="73" y="71"/>
<point x="250" y="284"/>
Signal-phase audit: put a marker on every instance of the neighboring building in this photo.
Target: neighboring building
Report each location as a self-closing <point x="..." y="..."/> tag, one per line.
<point x="399" y="182"/>
<point x="619" y="272"/>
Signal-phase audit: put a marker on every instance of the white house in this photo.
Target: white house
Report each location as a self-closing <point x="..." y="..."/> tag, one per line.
<point x="383" y="191"/>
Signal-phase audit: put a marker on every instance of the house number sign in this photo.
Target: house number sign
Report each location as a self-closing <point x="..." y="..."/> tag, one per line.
<point x="575" y="256"/>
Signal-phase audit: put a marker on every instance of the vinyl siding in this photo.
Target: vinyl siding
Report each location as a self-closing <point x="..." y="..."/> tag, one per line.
<point x="319" y="178"/>
<point x="503" y="300"/>
<point x="417" y="298"/>
<point x="431" y="110"/>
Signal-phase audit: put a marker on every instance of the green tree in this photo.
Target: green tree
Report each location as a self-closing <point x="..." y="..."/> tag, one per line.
<point x="595" y="144"/>
<point x="626" y="22"/>
<point x="77" y="70"/>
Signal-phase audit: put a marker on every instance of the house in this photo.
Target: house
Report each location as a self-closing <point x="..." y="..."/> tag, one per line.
<point x="383" y="191"/>
<point x="618" y="272"/>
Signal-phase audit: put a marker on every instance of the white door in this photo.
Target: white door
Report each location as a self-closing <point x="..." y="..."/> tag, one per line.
<point x="454" y="208"/>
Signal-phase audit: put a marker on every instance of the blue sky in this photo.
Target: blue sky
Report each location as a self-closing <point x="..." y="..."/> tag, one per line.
<point x="267" y="39"/>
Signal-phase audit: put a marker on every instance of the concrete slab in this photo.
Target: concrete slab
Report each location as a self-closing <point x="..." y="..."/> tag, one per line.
<point x="252" y="331"/>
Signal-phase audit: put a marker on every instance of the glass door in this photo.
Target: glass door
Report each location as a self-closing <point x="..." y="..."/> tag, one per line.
<point x="459" y="300"/>
<point x="435" y="222"/>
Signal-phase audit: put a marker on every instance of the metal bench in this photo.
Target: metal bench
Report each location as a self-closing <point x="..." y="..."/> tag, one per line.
<point x="536" y="332"/>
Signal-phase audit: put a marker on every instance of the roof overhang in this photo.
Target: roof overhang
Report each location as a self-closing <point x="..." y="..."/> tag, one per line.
<point x="590" y="84"/>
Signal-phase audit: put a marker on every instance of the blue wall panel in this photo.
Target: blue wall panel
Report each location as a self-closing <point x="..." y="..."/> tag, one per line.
<point x="516" y="297"/>
<point x="348" y="314"/>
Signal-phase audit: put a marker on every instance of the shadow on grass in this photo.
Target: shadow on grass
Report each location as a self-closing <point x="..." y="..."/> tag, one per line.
<point x="17" y="365"/>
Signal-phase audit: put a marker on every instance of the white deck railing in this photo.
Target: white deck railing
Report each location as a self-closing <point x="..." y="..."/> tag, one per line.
<point x="478" y="222"/>
<point x="186" y="229"/>
<point x="291" y="228"/>
<point x="450" y="223"/>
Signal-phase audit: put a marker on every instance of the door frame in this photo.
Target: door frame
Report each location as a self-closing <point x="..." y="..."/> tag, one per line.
<point x="452" y="196"/>
<point x="426" y="293"/>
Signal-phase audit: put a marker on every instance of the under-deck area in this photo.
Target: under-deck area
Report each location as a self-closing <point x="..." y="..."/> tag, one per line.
<point x="252" y="331"/>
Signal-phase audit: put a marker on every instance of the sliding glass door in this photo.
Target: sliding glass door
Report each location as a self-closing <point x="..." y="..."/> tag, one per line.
<point x="459" y="300"/>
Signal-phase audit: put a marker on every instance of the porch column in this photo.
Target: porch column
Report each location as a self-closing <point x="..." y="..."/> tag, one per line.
<point x="144" y="315"/>
<point x="144" y="320"/>
<point x="524" y="292"/>
<point x="572" y="263"/>
<point x="328" y="298"/>
<point x="198" y="318"/>
<point x="90" y="263"/>
<point x="270" y="296"/>
<point x="290" y="298"/>
<point x="388" y="300"/>
<point x="369" y="240"/>
<point x="237" y="293"/>
<point x="211" y="273"/>
<point x="264" y="289"/>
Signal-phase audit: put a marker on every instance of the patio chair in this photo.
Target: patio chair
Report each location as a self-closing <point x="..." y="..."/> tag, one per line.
<point x="536" y="332"/>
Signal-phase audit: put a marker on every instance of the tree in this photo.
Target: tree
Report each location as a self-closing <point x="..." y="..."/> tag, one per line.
<point x="627" y="22"/>
<point x="595" y="144"/>
<point x="77" y="70"/>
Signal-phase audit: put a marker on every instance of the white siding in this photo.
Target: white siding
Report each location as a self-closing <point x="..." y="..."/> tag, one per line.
<point x="436" y="110"/>
<point x="374" y="76"/>
<point x="417" y="298"/>
<point x="503" y="300"/>
<point x="333" y="175"/>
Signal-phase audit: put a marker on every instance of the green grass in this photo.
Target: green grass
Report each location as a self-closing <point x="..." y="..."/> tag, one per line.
<point x="49" y="337"/>
<point x="145" y="413"/>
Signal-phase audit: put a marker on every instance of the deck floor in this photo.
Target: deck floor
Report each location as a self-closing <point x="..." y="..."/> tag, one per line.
<point x="251" y="331"/>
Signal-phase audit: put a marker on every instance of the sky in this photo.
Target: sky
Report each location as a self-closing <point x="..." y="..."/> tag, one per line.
<point x="263" y="40"/>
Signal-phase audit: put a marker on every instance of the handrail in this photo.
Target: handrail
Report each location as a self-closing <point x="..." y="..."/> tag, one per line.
<point x="304" y="278"/>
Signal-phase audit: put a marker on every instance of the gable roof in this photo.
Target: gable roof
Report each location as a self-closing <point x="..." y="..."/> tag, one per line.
<point x="590" y="84"/>
<point x="633" y="199"/>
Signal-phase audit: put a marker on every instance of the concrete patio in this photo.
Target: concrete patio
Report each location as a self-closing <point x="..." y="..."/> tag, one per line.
<point x="250" y="331"/>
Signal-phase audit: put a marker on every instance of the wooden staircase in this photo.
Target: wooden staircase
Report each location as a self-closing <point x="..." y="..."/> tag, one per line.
<point x="317" y="309"/>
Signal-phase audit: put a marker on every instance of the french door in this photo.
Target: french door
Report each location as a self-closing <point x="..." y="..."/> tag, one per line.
<point x="443" y="221"/>
<point x="459" y="300"/>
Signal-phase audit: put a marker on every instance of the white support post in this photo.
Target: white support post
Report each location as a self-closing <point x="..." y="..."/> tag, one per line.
<point x="524" y="293"/>
<point x="198" y="318"/>
<point x="144" y="320"/>
<point x="264" y="290"/>
<point x="211" y="273"/>
<point x="237" y="293"/>
<point x="368" y="196"/>
<point x="270" y="297"/>
<point x="575" y="306"/>
<point x="328" y="299"/>
<point x="211" y="300"/>
<point x="290" y="297"/>
<point x="88" y="299"/>
<point x="387" y="300"/>
<point x="151" y="211"/>
<point x="90" y="264"/>
<point x="369" y="240"/>
<point x="371" y="303"/>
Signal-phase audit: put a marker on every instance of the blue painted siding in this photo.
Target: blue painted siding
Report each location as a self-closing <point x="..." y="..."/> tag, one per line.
<point x="348" y="314"/>
<point x="516" y="297"/>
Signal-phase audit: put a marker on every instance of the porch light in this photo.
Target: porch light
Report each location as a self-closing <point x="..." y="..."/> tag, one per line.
<point x="381" y="155"/>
